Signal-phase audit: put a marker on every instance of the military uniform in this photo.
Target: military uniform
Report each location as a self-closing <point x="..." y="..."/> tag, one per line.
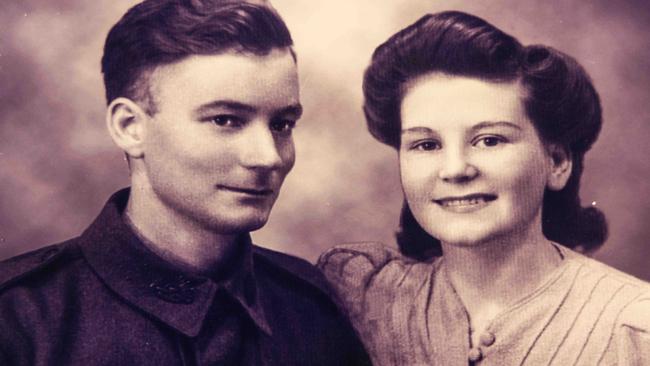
<point x="105" y="299"/>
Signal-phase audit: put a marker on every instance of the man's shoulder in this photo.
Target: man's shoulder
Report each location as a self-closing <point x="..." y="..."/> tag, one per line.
<point x="293" y="275"/>
<point x="290" y="266"/>
<point x="41" y="262"/>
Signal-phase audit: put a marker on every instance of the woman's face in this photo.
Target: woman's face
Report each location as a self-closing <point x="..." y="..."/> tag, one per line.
<point x="473" y="168"/>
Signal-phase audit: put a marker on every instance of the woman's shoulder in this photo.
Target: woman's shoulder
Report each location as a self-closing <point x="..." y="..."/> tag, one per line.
<point x="631" y="337"/>
<point x="358" y="270"/>
<point x="633" y="295"/>
<point x="636" y="315"/>
<point x="624" y="296"/>
<point x="356" y="261"/>
<point x="607" y="276"/>
<point x="358" y="257"/>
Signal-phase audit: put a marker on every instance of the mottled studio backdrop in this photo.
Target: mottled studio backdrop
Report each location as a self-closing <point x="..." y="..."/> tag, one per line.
<point x="58" y="165"/>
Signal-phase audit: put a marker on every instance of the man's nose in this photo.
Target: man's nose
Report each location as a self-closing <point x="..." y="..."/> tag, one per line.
<point x="456" y="167"/>
<point x="261" y="149"/>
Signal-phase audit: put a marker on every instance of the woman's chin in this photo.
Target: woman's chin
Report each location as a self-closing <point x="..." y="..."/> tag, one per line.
<point x="462" y="243"/>
<point x="468" y="239"/>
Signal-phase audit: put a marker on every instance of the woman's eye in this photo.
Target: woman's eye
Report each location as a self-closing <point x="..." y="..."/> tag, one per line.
<point x="426" y="146"/>
<point x="283" y="125"/>
<point x="489" y="141"/>
<point x="226" y="120"/>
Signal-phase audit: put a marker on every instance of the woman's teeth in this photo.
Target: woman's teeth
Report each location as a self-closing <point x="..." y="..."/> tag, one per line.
<point x="462" y="202"/>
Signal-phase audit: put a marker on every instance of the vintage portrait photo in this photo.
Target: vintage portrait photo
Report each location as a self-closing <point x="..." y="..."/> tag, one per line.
<point x="287" y="182"/>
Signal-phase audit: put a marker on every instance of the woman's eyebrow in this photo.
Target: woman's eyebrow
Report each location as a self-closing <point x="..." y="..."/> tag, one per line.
<point x="488" y="124"/>
<point x="476" y="127"/>
<point x="418" y="129"/>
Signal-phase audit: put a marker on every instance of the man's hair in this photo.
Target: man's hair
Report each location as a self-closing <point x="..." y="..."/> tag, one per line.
<point x="160" y="32"/>
<point x="560" y="101"/>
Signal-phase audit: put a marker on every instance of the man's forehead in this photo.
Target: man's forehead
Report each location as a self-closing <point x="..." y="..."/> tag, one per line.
<point x="270" y="78"/>
<point x="230" y="63"/>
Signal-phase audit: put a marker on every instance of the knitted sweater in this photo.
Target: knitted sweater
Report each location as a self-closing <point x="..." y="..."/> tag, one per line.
<point x="407" y="313"/>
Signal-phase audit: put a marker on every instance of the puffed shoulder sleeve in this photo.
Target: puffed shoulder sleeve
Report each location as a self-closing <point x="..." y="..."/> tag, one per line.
<point x="351" y="268"/>
<point x="633" y="333"/>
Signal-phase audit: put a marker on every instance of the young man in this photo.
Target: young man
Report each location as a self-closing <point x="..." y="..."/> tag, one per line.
<point x="202" y="98"/>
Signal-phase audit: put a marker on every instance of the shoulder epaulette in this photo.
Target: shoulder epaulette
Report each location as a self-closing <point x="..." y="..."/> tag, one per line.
<point x="15" y="268"/>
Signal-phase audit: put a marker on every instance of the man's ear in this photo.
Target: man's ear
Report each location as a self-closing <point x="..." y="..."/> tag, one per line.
<point x="561" y="169"/>
<point x="125" y="120"/>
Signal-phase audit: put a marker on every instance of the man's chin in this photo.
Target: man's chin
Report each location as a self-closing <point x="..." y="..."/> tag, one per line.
<point x="238" y="226"/>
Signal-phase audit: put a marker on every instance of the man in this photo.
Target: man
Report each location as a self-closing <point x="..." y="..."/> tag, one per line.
<point x="202" y="98"/>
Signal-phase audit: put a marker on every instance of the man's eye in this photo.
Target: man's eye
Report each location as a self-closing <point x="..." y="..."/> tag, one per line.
<point x="426" y="145"/>
<point x="489" y="141"/>
<point x="283" y="125"/>
<point x="226" y="120"/>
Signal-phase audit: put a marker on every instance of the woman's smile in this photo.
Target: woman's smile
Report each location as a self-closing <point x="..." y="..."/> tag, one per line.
<point x="465" y="204"/>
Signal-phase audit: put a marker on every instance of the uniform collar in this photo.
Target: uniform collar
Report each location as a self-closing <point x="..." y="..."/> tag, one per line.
<point x="181" y="300"/>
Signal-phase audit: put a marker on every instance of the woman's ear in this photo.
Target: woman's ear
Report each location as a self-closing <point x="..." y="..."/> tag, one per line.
<point x="562" y="164"/>
<point x="125" y="120"/>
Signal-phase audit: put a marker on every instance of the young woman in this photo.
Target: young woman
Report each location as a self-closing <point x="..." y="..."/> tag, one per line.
<point x="491" y="137"/>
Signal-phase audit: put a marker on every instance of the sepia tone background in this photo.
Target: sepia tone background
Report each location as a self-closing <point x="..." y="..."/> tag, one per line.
<point x="58" y="165"/>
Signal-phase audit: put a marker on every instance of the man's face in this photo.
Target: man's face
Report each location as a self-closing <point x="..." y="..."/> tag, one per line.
<point x="220" y="145"/>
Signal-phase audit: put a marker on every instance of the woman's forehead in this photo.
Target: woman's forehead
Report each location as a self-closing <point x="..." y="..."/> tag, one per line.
<point x="437" y="100"/>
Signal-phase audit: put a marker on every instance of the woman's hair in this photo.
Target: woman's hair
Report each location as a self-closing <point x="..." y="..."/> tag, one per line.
<point x="560" y="101"/>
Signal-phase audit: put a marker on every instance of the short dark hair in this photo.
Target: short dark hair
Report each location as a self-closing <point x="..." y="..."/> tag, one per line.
<point x="561" y="102"/>
<point x="159" y="32"/>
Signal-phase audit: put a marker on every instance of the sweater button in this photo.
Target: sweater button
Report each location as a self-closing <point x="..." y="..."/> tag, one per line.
<point x="487" y="339"/>
<point x="475" y="355"/>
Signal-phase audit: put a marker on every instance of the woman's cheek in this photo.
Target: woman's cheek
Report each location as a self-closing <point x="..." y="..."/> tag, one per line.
<point x="417" y="178"/>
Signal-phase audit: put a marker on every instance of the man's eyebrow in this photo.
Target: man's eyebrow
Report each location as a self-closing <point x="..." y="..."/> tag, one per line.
<point x="295" y="110"/>
<point x="226" y="104"/>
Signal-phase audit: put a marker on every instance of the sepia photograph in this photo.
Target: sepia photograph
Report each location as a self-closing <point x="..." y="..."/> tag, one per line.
<point x="283" y="182"/>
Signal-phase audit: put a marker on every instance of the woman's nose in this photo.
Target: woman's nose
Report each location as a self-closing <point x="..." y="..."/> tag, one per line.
<point x="456" y="167"/>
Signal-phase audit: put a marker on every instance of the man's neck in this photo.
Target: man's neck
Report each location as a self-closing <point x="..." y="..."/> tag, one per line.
<point x="176" y="238"/>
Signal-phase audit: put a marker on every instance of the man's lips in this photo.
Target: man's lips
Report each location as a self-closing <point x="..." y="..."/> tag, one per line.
<point x="253" y="191"/>
<point x="467" y="200"/>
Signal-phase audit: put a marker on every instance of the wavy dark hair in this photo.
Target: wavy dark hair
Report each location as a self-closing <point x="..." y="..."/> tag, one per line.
<point x="160" y="32"/>
<point x="561" y="102"/>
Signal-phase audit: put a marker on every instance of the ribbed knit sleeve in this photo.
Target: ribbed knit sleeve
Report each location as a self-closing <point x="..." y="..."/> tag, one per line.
<point x="630" y="342"/>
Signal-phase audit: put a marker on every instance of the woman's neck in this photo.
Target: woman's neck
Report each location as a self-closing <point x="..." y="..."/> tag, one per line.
<point x="490" y="276"/>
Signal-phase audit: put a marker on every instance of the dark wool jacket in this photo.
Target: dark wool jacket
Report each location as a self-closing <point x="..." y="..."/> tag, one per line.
<point x="105" y="299"/>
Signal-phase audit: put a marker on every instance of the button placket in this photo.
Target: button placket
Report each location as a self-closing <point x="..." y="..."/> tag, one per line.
<point x="487" y="338"/>
<point x="476" y="353"/>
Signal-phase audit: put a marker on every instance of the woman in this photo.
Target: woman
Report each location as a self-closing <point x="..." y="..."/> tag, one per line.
<point x="491" y="137"/>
